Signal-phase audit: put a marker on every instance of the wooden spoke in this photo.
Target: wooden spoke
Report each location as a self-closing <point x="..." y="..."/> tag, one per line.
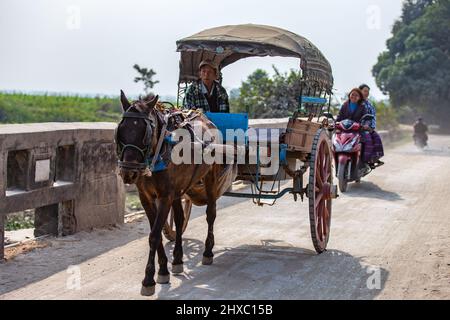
<point x="319" y="198"/>
<point x="326" y="217"/>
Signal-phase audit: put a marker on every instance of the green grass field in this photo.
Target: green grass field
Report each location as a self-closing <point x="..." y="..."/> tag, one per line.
<point x="26" y="108"/>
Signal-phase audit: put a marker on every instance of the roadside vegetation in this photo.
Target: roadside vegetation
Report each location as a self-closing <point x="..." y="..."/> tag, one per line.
<point x="20" y="220"/>
<point x="26" y="108"/>
<point x="415" y="68"/>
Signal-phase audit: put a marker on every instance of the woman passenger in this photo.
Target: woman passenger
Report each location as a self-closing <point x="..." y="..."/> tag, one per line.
<point x="354" y="109"/>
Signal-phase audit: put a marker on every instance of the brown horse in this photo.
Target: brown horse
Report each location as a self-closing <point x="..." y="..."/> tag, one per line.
<point x="138" y="139"/>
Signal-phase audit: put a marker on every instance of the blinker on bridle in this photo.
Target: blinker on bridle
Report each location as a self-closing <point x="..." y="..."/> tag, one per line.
<point x="145" y="152"/>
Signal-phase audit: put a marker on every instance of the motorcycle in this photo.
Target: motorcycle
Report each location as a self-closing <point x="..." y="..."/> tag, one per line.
<point x="347" y="149"/>
<point x="420" y="140"/>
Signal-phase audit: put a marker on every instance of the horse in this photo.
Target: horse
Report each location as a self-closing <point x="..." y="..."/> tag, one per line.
<point x="139" y="140"/>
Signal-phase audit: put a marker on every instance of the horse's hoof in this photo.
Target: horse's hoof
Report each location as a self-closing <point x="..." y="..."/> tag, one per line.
<point x="207" y="261"/>
<point x="163" y="278"/>
<point x="177" y="268"/>
<point x="147" y="291"/>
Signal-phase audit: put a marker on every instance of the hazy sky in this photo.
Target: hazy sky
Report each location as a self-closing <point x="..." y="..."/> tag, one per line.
<point x="90" y="46"/>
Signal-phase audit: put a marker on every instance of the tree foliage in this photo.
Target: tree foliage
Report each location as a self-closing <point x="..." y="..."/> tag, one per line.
<point x="415" y="69"/>
<point x="387" y="116"/>
<point x="262" y="96"/>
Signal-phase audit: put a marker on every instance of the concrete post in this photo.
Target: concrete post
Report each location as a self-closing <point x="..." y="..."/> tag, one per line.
<point x="67" y="224"/>
<point x="46" y="220"/>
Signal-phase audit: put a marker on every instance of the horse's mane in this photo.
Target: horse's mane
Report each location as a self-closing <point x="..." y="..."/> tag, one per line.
<point x="162" y="109"/>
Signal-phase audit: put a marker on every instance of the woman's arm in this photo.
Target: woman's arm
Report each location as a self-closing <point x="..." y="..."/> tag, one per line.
<point x="340" y="116"/>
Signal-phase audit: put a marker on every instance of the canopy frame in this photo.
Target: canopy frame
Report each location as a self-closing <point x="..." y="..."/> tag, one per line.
<point x="228" y="44"/>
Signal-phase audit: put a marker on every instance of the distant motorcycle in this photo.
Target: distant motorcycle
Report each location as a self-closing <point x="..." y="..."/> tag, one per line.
<point x="420" y="140"/>
<point x="347" y="148"/>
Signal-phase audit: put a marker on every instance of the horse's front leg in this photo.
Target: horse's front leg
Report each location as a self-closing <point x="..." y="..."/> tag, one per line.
<point x="163" y="273"/>
<point x="177" y="264"/>
<point x="155" y="240"/>
<point x="210" y="186"/>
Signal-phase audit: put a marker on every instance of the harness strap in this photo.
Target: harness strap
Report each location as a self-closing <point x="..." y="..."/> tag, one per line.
<point x="160" y="141"/>
<point x="191" y="115"/>
<point x="165" y="123"/>
<point x="134" y="115"/>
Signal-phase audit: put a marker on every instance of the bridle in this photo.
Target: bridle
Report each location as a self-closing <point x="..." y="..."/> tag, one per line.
<point x="147" y="140"/>
<point x="150" y="161"/>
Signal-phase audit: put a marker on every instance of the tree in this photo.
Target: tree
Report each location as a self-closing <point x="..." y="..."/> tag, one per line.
<point x="145" y="76"/>
<point x="415" y="69"/>
<point x="286" y="89"/>
<point x="264" y="97"/>
<point x="3" y="117"/>
<point x="254" y="93"/>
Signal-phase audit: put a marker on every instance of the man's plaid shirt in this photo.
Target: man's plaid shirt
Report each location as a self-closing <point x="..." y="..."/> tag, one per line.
<point x="195" y="97"/>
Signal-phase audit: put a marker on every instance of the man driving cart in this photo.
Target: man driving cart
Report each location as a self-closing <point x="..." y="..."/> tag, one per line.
<point x="207" y="93"/>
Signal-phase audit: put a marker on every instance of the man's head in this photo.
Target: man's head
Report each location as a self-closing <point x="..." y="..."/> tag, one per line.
<point x="208" y="71"/>
<point x="365" y="89"/>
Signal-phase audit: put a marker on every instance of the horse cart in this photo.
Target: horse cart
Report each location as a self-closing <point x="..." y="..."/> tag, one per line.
<point x="303" y="149"/>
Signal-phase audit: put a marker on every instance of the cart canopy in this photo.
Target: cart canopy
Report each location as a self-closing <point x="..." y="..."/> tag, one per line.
<point x="227" y="44"/>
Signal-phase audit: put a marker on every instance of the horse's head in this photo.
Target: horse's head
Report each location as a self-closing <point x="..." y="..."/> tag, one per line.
<point x="135" y="137"/>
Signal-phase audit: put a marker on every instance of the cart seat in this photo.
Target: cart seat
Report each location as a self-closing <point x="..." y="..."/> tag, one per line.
<point x="229" y="121"/>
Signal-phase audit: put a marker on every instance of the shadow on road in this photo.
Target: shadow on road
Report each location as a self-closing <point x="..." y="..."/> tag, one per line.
<point x="61" y="253"/>
<point x="76" y="249"/>
<point x="368" y="189"/>
<point x="274" y="271"/>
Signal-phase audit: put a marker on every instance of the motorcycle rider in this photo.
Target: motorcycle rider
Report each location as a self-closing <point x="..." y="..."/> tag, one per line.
<point x="354" y="109"/>
<point x="378" y="151"/>
<point x="420" y="130"/>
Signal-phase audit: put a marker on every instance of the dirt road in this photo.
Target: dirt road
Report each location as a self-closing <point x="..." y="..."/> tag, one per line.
<point x="390" y="240"/>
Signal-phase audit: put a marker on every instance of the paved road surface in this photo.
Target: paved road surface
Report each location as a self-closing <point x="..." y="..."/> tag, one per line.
<point x="390" y="240"/>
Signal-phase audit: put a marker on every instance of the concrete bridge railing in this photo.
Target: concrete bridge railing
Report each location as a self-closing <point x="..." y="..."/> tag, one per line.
<point x="65" y="171"/>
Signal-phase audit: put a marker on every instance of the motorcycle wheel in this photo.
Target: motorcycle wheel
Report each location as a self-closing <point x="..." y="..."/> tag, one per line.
<point x="341" y="177"/>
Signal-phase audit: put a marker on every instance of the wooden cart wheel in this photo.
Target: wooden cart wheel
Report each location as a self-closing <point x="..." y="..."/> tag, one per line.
<point x="169" y="227"/>
<point x="320" y="190"/>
